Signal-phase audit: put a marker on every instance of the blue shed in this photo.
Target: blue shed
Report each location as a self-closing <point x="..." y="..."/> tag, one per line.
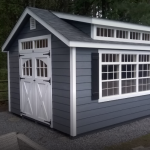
<point x="75" y="73"/>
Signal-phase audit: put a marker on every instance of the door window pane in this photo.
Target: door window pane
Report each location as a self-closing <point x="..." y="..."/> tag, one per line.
<point x="41" y="68"/>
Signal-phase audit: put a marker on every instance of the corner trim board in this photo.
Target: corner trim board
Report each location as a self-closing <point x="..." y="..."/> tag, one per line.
<point x="8" y="70"/>
<point x="73" y="122"/>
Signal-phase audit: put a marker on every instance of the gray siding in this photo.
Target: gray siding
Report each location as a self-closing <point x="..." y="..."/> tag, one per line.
<point x="14" y="63"/>
<point x="61" y="85"/>
<point x="92" y="115"/>
<point x="60" y="77"/>
<point x="84" y="27"/>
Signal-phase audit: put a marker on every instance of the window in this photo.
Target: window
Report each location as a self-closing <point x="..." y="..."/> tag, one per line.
<point x="128" y="74"/>
<point x="104" y="32"/>
<point x="119" y="34"/>
<point x="41" y="43"/>
<point x="35" y="43"/>
<point x="144" y="73"/>
<point x="146" y="37"/>
<point x="27" y="45"/>
<point x="41" y="68"/>
<point x="134" y="35"/>
<point x="122" y="34"/>
<point x="27" y="68"/>
<point x="123" y="75"/>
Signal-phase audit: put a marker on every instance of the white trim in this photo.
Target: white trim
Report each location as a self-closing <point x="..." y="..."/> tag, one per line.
<point x="121" y="96"/>
<point x="47" y="26"/>
<point x="81" y="44"/>
<point x="100" y="21"/>
<point x="8" y="72"/>
<point x="35" y="50"/>
<point x="109" y="46"/>
<point x="73" y="120"/>
<point x="114" y="38"/>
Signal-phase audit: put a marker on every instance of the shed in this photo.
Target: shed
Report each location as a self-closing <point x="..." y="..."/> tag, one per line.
<point x="75" y="73"/>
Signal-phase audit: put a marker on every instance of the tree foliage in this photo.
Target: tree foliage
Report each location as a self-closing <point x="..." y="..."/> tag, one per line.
<point x="134" y="11"/>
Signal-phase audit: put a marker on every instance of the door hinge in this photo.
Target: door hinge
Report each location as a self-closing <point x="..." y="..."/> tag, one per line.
<point x="20" y="55"/>
<point x="48" y="81"/>
<point x="47" y="54"/>
<point x="49" y="122"/>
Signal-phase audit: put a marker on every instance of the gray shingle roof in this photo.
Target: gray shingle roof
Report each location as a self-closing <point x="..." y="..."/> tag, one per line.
<point x="68" y="31"/>
<point x="65" y="29"/>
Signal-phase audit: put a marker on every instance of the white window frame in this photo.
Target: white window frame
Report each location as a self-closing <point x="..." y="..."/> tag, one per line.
<point x="36" y="50"/>
<point x="95" y="37"/>
<point x="121" y="96"/>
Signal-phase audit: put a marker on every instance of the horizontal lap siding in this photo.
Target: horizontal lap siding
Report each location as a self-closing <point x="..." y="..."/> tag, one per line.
<point x="14" y="80"/>
<point x="61" y="85"/>
<point x="92" y="115"/>
<point x="14" y="63"/>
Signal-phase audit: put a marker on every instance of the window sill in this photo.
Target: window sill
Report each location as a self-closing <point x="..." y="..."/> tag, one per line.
<point x="118" y="97"/>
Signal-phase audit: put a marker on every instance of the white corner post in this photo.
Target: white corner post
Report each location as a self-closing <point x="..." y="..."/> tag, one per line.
<point x="73" y="120"/>
<point x="8" y="73"/>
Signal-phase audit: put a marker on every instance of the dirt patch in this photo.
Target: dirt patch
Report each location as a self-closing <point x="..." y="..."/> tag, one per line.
<point x="3" y="106"/>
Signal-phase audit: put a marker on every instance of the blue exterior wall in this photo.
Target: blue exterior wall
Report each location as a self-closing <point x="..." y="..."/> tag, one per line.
<point x="91" y="114"/>
<point x="60" y="76"/>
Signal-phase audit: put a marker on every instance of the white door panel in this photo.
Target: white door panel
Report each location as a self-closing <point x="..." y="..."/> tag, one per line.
<point x="27" y="104"/>
<point x="43" y="100"/>
<point x="35" y="90"/>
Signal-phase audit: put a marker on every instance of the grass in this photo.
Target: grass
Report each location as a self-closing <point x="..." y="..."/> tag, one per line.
<point x="3" y="85"/>
<point x="141" y="141"/>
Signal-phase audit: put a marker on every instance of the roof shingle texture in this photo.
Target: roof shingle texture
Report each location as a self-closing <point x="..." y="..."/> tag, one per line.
<point x="68" y="31"/>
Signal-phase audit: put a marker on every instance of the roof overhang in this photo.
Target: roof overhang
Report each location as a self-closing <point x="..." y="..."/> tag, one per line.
<point x="116" y="46"/>
<point x="29" y="12"/>
<point x="99" y="44"/>
<point x="103" y="22"/>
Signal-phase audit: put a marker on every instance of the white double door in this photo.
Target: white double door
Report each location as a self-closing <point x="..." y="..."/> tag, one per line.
<point x="35" y="87"/>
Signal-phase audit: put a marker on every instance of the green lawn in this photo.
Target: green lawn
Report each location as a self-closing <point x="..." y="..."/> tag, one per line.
<point x="141" y="141"/>
<point x="3" y="85"/>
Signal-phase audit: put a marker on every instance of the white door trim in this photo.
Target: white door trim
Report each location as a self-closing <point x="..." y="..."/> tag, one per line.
<point x="33" y="56"/>
<point x="73" y="120"/>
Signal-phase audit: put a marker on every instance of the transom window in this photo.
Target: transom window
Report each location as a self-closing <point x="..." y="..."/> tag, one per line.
<point x="135" y="35"/>
<point x="123" y="75"/>
<point x="27" y="45"/>
<point x="105" y="32"/>
<point x="146" y="37"/>
<point x="41" y="42"/>
<point x="119" y="34"/>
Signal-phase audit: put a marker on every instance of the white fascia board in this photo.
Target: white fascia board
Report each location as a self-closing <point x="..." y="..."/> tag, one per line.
<point x="109" y="46"/>
<point x="47" y="26"/>
<point x="104" y="22"/>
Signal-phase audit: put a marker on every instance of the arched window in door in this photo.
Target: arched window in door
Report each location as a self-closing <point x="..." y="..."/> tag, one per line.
<point x="27" y="68"/>
<point x="41" y="68"/>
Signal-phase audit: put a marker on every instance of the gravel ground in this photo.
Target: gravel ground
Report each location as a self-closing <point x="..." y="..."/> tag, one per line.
<point x="54" y="140"/>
